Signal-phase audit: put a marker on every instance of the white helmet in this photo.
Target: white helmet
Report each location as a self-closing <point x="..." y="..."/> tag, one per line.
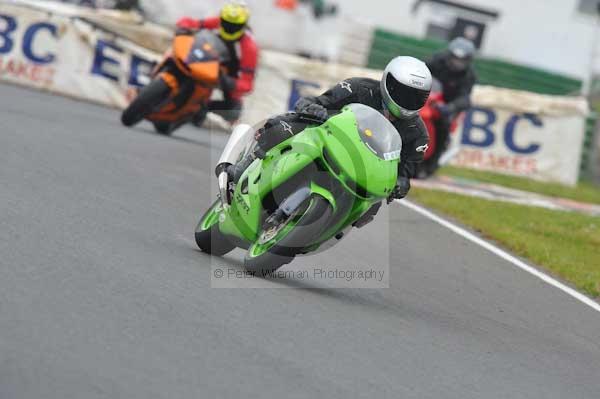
<point x="405" y="86"/>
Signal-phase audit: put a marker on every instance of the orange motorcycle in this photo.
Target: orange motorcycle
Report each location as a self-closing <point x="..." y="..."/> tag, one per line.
<point x="182" y="83"/>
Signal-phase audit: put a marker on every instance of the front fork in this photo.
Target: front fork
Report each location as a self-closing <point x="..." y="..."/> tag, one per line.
<point x="238" y="141"/>
<point x="224" y="190"/>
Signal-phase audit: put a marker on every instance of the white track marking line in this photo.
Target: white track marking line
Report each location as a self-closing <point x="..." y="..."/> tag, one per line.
<point x="502" y="254"/>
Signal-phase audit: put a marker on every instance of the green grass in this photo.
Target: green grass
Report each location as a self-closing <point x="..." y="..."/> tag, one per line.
<point x="564" y="243"/>
<point x="583" y="192"/>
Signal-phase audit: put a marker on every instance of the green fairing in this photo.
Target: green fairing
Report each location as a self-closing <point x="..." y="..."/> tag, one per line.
<point x="344" y="152"/>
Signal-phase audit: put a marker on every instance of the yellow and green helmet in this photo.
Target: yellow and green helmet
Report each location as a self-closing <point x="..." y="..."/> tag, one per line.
<point x="234" y="19"/>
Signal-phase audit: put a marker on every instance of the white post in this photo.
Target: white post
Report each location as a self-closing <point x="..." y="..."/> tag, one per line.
<point x="588" y="82"/>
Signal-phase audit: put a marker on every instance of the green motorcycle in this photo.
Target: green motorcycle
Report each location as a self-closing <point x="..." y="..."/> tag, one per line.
<point x="308" y="190"/>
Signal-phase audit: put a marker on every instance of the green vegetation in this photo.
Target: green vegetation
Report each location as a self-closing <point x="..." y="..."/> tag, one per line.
<point x="564" y="243"/>
<point x="583" y="192"/>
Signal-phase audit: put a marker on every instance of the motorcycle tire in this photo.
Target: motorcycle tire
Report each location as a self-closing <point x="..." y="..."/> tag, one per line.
<point x="209" y="238"/>
<point x="149" y="98"/>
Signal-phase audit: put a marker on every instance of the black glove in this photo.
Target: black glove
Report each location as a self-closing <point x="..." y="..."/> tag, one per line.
<point x="227" y="83"/>
<point x="401" y="190"/>
<point x="317" y="111"/>
<point x="309" y="106"/>
<point x="303" y="103"/>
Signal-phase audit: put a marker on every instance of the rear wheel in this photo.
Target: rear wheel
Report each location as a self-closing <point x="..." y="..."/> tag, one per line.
<point x="278" y="244"/>
<point x="208" y="236"/>
<point x="149" y="98"/>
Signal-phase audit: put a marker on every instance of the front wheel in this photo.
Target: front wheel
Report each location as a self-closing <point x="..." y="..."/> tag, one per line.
<point x="278" y="244"/>
<point x="208" y="236"/>
<point x="165" y="128"/>
<point x="149" y="98"/>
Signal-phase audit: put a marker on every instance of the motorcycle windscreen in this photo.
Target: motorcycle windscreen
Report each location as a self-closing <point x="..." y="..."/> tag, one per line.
<point x="377" y="132"/>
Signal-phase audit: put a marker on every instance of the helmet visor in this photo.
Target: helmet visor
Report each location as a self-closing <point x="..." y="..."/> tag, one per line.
<point x="406" y="97"/>
<point x="231" y="28"/>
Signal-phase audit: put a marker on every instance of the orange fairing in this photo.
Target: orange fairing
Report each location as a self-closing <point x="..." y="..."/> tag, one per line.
<point x="207" y="72"/>
<point x="171" y="112"/>
<point x="182" y="45"/>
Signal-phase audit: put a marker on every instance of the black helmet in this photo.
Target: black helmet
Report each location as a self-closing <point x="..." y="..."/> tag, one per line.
<point x="460" y="54"/>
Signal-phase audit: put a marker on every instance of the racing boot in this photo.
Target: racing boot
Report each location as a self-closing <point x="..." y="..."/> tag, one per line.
<point x="200" y="116"/>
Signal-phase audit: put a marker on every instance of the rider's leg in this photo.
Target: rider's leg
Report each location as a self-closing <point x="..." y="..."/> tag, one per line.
<point x="229" y="109"/>
<point x="200" y="117"/>
<point x="278" y="129"/>
<point x="442" y="129"/>
<point x="273" y="132"/>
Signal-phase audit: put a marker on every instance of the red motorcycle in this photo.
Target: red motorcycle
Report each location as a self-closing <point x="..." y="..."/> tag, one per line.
<point x="431" y="115"/>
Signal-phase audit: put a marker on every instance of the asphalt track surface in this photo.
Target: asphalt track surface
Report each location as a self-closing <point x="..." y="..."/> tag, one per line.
<point x="104" y="295"/>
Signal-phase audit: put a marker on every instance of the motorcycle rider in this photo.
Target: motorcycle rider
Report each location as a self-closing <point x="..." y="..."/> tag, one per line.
<point x="239" y="79"/>
<point x="453" y="68"/>
<point x="401" y="93"/>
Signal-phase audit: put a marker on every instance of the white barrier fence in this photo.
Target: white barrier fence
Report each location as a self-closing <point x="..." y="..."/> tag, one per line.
<point x="69" y="56"/>
<point x="523" y="134"/>
<point x="278" y="28"/>
<point x="507" y="131"/>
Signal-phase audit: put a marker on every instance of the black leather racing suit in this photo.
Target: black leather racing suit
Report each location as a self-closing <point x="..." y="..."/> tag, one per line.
<point x="456" y="87"/>
<point x="368" y="92"/>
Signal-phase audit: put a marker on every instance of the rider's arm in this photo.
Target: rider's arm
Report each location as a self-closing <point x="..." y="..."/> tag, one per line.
<point x="210" y="23"/>
<point x="197" y="24"/>
<point x="248" y="62"/>
<point x="340" y="95"/>
<point x="463" y="100"/>
<point x="334" y="99"/>
<point x="414" y="144"/>
<point x="436" y="65"/>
